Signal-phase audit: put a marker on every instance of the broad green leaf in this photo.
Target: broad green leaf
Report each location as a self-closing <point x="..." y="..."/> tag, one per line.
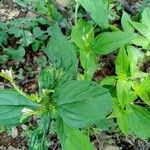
<point x="103" y="124"/>
<point x="122" y="120"/>
<point x="141" y="92"/>
<point x="36" y="45"/>
<point x="16" y="54"/>
<point x="82" y="34"/>
<point x="89" y="64"/>
<point x="62" y="53"/>
<point x="141" y="41"/>
<point x="124" y="93"/>
<point x="142" y="28"/>
<point x="39" y="137"/>
<point x="139" y="121"/>
<point x="146" y="84"/>
<point x="125" y="22"/>
<point x="11" y="105"/>
<point x="82" y="103"/>
<point x="146" y="17"/>
<point x="109" y="80"/>
<point x="121" y="116"/>
<point x="27" y="38"/>
<point x="71" y="138"/>
<point x="122" y="63"/>
<point x="77" y="140"/>
<point x="134" y="57"/>
<point x="108" y="42"/>
<point x="98" y="10"/>
<point x="39" y="34"/>
<point x="15" y="31"/>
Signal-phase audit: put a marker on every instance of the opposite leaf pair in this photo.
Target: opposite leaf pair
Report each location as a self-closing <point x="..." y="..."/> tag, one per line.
<point x="77" y="104"/>
<point x="130" y="83"/>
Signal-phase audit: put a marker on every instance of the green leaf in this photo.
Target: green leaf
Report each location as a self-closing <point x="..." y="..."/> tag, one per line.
<point x="109" y="80"/>
<point x="143" y="5"/>
<point x="39" y="34"/>
<point x="51" y="78"/>
<point x="89" y="64"/>
<point x="141" y="41"/>
<point x="62" y="53"/>
<point x="16" y="54"/>
<point x="42" y="61"/>
<point x="36" y="45"/>
<point x="27" y="38"/>
<point x="39" y="136"/>
<point x="134" y="57"/>
<point x="3" y="59"/>
<point x="142" y="28"/>
<point x="48" y="78"/>
<point x="103" y="124"/>
<point x="77" y="140"/>
<point x="15" y="31"/>
<point x="139" y="121"/>
<point x="125" y="22"/>
<point x="108" y="42"/>
<point x="122" y="63"/>
<point x="146" y="84"/>
<point x="82" y="34"/>
<point x="11" y="104"/>
<point x="122" y="120"/>
<point x="72" y="139"/>
<point x="141" y="92"/>
<point x="124" y="93"/>
<point x="98" y="10"/>
<point x="82" y="103"/>
<point x="3" y="25"/>
<point x="3" y="37"/>
<point x="146" y="17"/>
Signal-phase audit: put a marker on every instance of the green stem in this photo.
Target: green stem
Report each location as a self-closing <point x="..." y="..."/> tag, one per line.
<point x="48" y="5"/>
<point x="144" y="4"/>
<point x="76" y="11"/>
<point x="2" y="46"/>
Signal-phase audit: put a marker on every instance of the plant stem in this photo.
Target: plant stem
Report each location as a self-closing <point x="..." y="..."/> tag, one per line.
<point x="76" y="11"/>
<point x="144" y="4"/>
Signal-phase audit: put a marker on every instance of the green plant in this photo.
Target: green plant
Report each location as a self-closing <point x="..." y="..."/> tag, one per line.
<point x="142" y="37"/>
<point x="74" y="104"/>
<point x="24" y="32"/>
<point x="45" y="8"/>
<point x="130" y="84"/>
<point x="91" y="47"/>
<point x="65" y="99"/>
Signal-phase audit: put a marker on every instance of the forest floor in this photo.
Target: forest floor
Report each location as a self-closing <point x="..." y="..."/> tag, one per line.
<point x="15" y="138"/>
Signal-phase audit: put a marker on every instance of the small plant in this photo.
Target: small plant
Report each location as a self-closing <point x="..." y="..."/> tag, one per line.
<point x="130" y="84"/>
<point x="74" y="104"/>
<point x="25" y="33"/>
